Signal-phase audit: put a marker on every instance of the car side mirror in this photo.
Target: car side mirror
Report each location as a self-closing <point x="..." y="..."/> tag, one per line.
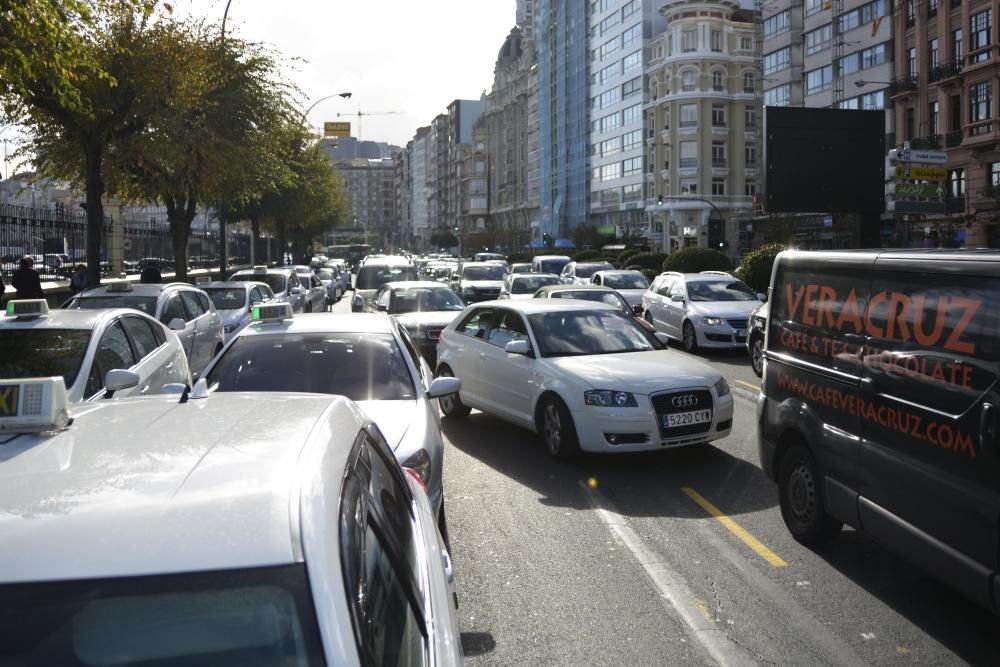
<point x="295" y="290"/>
<point x="663" y="338"/>
<point x="443" y="387"/>
<point x="176" y="324"/>
<point x="762" y="297"/>
<point x="118" y="379"/>
<point x="518" y="347"/>
<point x="677" y="297"/>
<point x="381" y="306"/>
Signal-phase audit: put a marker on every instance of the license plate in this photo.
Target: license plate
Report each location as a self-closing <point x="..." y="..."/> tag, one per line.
<point x="741" y="332"/>
<point x="687" y="418"/>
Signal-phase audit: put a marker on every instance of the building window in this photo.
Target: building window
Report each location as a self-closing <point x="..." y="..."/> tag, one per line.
<point x="934" y="118"/>
<point x="716" y="41"/>
<point x="777" y="60"/>
<point x="748" y="82"/>
<point x="631" y="61"/>
<point x="688" y="82"/>
<point x="689" y="115"/>
<point x="750" y="156"/>
<point x="610" y="172"/>
<point x="718" y="187"/>
<point x="630" y="9"/>
<point x="689" y="41"/>
<point x="609" y="23"/>
<point x="813" y="6"/>
<point x="689" y="154"/>
<point x="632" y="140"/>
<point x="932" y="6"/>
<point x="750" y="189"/>
<point x="957" y="52"/>
<point x="911" y="12"/>
<point x="632" y="35"/>
<point x="631" y="87"/>
<point x="777" y="24"/>
<point x="980" y="27"/>
<point x="746" y="43"/>
<point x="911" y="125"/>
<point x="994" y="176"/>
<point x="911" y="63"/>
<point x="873" y="56"/>
<point x="632" y="166"/>
<point x="819" y="39"/>
<point x="980" y="105"/>
<point x="718" y="154"/>
<point x="749" y="118"/>
<point x="689" y="186"/>
<point x="933" y="54"/>
<point x="632" y="114"/>
<point x="718" y="115"/>
<point x="610" y="146"/>
<point x="956" y="182"/>
<point x="632" y="192"/>
<point x="778" y="97"/>
<point x="718" y="85"/>
<point x="819" y="80"/>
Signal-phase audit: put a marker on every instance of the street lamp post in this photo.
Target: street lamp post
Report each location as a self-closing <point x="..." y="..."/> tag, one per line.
<point x="312" y="106"/>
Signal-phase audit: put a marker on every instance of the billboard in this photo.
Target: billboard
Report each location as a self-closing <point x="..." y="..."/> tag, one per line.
<point x="824" y="160"/>
<point x="340" y="130"/>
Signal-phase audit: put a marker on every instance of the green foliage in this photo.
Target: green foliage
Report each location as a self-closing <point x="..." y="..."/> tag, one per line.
<point x="648" y="260"/>
<point x="755" y="269"/>
<point x="693" y="260"/>
<point x="625" y="255"/>
<point x="649" y="273"/>
<point x="587" y="256"/>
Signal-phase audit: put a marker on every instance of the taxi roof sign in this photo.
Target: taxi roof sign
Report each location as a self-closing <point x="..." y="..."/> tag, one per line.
<point x="274" y="312"/>
<point x="24" y="309"/>
<point x="119" y="286"/>
<point x="33" y="405"/>
<point x="259" y="268"/>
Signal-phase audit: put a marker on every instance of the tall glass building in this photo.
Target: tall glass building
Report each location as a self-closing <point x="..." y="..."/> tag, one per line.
<point x="561" y="34"/>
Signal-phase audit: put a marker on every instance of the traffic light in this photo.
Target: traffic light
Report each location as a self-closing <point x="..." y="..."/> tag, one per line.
<point x="547" y="240"/>
<point x="659" y="200"/>
<point x="716" y="234"/>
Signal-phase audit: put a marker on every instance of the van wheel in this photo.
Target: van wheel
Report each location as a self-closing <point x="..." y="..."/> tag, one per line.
<point x="451" y="405"/>
<point x="690" y="337"/>
<point x="800" y="495"/>
<point x="757" y="355"/>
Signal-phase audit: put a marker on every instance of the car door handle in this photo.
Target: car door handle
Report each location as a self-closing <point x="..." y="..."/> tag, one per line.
<point x="144" y="389"/>
<point x="987" y="429"/>
<point x="169" y="367"/>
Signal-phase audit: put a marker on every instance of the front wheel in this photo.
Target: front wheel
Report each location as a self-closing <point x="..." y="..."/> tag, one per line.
<point x="757" y="355"/>
<point x="558" y="430"/>
<point x="801" y="498"/>
<point x="690" y="338"/>
<point x="451" y="405"/>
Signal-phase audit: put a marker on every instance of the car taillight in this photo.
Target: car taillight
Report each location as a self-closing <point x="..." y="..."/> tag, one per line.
<point x="415" y="476"/>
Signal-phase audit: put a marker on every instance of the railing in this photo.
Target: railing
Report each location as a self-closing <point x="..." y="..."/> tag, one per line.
<point x="719" y="163"/>
<point x="953" y="139"/>
<point x="904" y="85"/>
<point x="955" y="204"/>
<point x="945" y="70"/>
<point x="689" y="123"/>
<point x="688" y="162"/>
<point x="926" y="143"/>
<point x="718" y="123"/>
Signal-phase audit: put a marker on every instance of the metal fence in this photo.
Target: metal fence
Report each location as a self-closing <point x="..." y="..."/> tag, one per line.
<point x="57" y="239"/>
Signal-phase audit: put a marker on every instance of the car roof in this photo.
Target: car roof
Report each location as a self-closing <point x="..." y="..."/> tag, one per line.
<point x="553" y="257"/>
<point x="70" y="318"/>
<point x="138" y="289"/>
<point x="430" y="284"/>
<point x="283" y="270"/>
<point x="631" y="272"/>
<point x="323" y="323"/>
<point x="211" y="484"/>
<point x="532" y="306"/>
<point x="590" y="287"/>
<point x="236" y="284"/>
<point x="518" y="276"/>
<point x="387" y="259"/>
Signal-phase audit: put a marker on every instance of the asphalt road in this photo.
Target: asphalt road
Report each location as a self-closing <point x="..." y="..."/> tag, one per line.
<point x="638" y="572"/>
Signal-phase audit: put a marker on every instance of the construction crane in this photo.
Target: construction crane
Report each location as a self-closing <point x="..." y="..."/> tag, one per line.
<point x="361" y="113"/>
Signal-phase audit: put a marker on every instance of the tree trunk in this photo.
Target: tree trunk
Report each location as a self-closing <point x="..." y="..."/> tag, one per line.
<point x="282" y="248"/>
<point x="223" y="246"/>
<point x="255" y="236"/>
<point x="94" y="158"/>
<point x="180" y="214"/>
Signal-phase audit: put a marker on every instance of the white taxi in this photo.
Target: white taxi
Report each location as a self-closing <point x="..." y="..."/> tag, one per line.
<point x="201" y="529"/>
<point x="583" y="375"/>
<point x="97" y="353"/>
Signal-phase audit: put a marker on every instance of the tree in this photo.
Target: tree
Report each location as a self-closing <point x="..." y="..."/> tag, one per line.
<point x="755" y="269"/>
<point x="633" y="231"/>
<point x="87" y="84"/>
<point x="695" y="259"/>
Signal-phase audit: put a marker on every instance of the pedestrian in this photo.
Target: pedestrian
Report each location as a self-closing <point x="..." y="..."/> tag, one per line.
<point x="151" y="273"/>
<point x="78" y="281"/>
<point x="26" y="281"/>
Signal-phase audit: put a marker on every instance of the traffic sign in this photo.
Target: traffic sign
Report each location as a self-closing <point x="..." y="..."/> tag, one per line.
<point x="919" y="157"/>
<point x="922" y="173"/>
<point x="893" y="206"/>
<point x="907" y="190"/>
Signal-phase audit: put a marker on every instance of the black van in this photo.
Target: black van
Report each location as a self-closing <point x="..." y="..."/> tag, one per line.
<point x="878" y="406"/>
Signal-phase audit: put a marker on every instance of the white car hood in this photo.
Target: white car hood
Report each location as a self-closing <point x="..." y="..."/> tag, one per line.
<point x="392" y="417"/>
<point x="483" y="284"/>
<point x="727" y="310"/>
<point x="638" y="372"/>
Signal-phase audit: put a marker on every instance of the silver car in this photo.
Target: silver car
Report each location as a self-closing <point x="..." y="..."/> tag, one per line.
<point x="332" y="283"/>
<point x="367" y="357"/>
<point x="234" y="301"/>
<point x="580" y="273"/>
<point x="313" y="288"/>
<point x="90" y="349"/>
<point x="284" y="282"/>
<point x="185" y="309"/>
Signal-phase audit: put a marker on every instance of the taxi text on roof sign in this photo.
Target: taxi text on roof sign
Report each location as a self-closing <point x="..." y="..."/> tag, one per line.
<point x="119" y="286"/>
<point x="271" y="312"/>
<point x="33" y="405"/>
<point x="27" y="308"/>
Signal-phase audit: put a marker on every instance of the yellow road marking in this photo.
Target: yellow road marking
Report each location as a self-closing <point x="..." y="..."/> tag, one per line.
<point x="704" y="611"/>
<point x="755" y="387"/>
<point x="735" y="528"/>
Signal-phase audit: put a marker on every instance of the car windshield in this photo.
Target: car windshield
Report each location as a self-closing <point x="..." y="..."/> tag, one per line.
<point x="228" y="298"/>
<point x="421" y="299"/>
<point x="626" y="281"/>
<point x="531" y="284"/>
<point x="719" y="290"/>
<point x="230" y="617"/>
<point x="521" y="268"/>
<point x="276" y="281"/>
<point x="361" y="366"/>
<point x="553" y="265"/>
<point x="146" y="304"/>
<point x="442" y="272"/>
<point x="600" y="296"/>
<point x="373" y="276"/>
<point x="324" y="274"/>
<point x="32" y="353"/>
<point x="491" y="272"/>
<point x="587" y="270"/>
<point x="587" y="332"/>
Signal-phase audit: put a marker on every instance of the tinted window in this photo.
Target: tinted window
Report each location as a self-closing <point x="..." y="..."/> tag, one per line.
<point x="113" y="351"/>
<point x="531" y="284"/>
<point x="393" y="634"/>
<point x="232" y="617"/>
<point x="193" y="304"/>
<point x="173" y="309"/>
<point x="476" y="322"/>
<point x="325" y="274"/>
<point x="511" y="328"/>
<point x="424" y="299"/>
<point x="626" y="281"/>
<point x="552" y="265"/>
<point x="143" y="335"/>
<point x="275" y="281"/>
<point x="576" y="333"/>
<point x="588" y="270"/>
<point x="360" y="366"/>
<point x="719" y="290"/>
<point x="373" y="276"/>
<point x="31" y="353"/>
<point x="229" y="298"/>
<point x="483" y="273"/>
<point x="146" y="304"/>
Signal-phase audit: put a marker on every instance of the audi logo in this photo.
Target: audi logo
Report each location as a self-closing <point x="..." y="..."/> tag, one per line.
<point x="685" y="401"/>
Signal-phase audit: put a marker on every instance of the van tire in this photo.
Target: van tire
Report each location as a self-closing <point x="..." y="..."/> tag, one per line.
<point x="800" y="494"/>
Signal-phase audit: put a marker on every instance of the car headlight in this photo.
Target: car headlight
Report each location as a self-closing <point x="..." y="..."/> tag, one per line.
<point x="420" y="462"/>
<point x="722" y="387"/>
<point x="713" y="321"/>
<point x="607" y="398"/>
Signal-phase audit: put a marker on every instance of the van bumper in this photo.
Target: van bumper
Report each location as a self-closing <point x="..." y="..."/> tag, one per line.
<point x="765" y="448"/>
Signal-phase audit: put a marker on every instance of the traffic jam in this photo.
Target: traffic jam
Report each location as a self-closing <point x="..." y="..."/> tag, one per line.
<point x="253" y="471"/>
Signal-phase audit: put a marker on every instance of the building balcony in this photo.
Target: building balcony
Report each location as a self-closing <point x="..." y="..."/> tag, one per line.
<point x="720" y="129"/>
<point x="903" y="86"/>
<point x="665" y="135"/>
<point x="665" y="175"/>
<point x="953" y="139"/>
<point x="689" y="163"/>
<point x="719" y="163"/>
<point x="928" y="143"/>
<point x="981" y="133"/>
<point x="945" y="71"/>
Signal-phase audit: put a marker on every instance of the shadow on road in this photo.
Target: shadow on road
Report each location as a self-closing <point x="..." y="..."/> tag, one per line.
<point x="477" y="643"/>
<point x="942" y="613"/>
<point x="641" y="485"/>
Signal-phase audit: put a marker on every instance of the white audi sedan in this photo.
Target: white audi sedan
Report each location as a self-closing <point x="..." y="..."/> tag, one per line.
<point x="583" y="375"/>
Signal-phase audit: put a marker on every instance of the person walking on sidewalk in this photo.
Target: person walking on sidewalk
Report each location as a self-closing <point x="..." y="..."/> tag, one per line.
<point x="26" y="281"/>
<point x="78" y="281"/>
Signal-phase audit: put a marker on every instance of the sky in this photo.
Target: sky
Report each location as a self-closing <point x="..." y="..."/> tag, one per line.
<point x="405" y="56"/>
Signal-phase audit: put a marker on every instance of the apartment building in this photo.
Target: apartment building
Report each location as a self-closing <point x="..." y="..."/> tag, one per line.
<point x="702" y="121"/>
<point x="371" y="188"/>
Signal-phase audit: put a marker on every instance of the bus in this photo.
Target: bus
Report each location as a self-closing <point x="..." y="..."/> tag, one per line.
<point x="353" y="253"/>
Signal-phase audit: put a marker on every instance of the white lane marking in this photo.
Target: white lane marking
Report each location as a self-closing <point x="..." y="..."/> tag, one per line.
<point x="670" y="585"/>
